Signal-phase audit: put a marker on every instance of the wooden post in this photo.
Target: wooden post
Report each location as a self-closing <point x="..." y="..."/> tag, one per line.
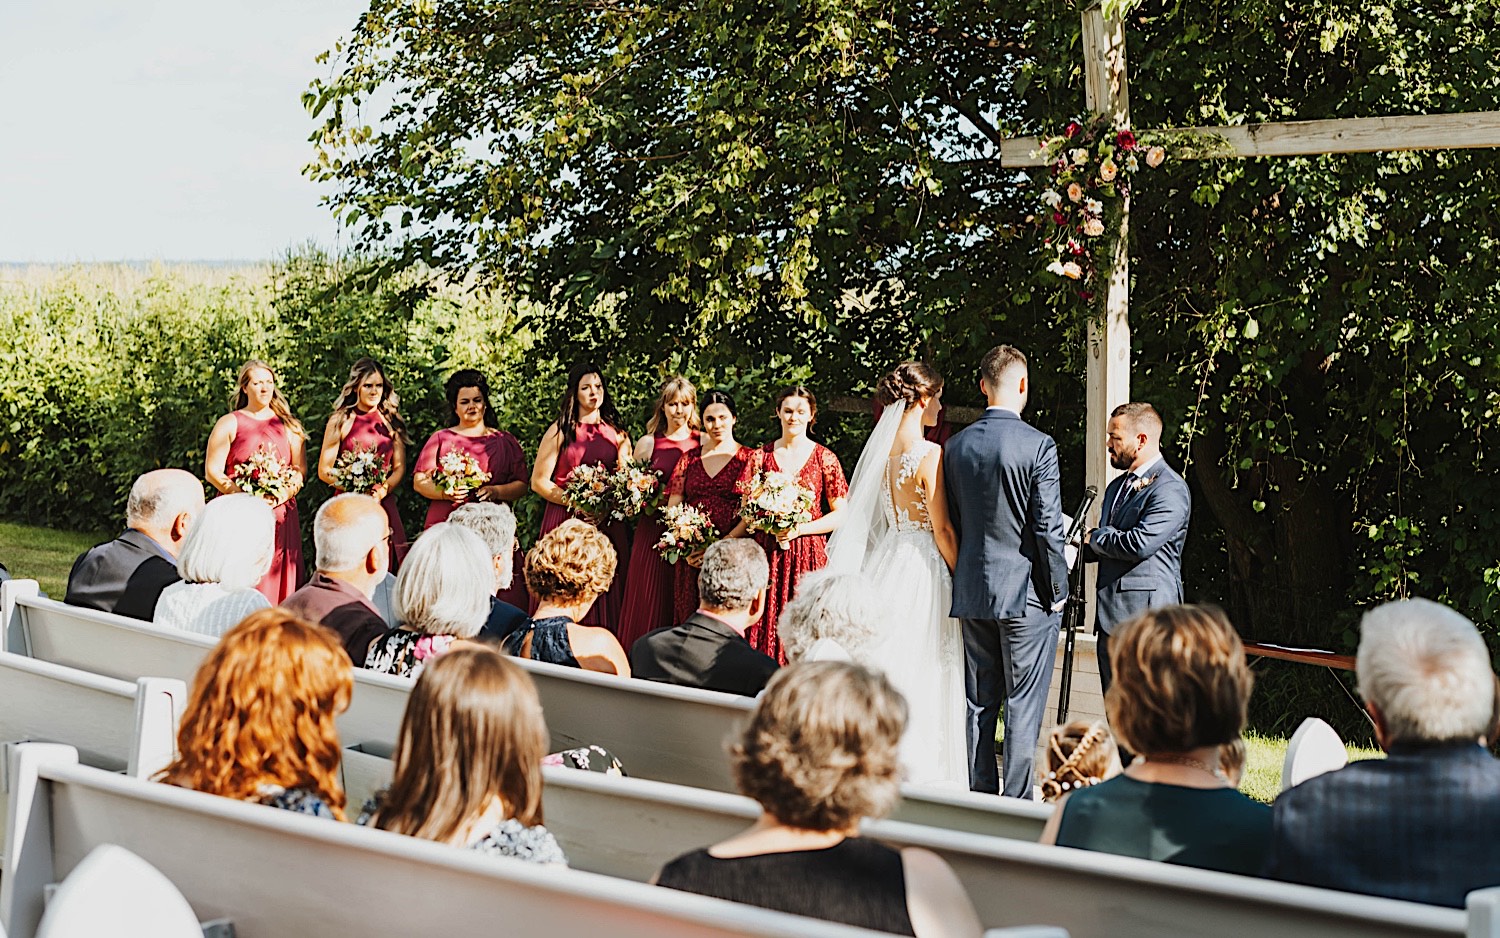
<point x="1107" y="92"/>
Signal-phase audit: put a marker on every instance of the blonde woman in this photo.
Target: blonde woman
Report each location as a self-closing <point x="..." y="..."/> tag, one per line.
<point x="261" y="423"/>
<point x="820" y="754"/>
<point x="468" y="761"/>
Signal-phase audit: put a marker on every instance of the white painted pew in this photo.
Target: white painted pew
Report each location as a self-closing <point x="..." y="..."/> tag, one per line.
<point x="629" y="828"/>
<point x="659" y="731"/>
<point x="273" y="873"/>
<point x="115" y="725"/>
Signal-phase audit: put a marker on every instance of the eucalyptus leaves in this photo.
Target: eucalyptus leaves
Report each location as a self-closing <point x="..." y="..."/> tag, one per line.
<point x="1090" y="165"/>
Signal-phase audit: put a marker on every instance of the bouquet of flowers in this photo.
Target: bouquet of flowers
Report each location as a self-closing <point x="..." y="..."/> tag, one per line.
<point x="264" y="475"/>
<point x="774" y="503"/>
<point x="359" y="470"/>
<point x="636" y="490"/>
<point x="687" y="530"/>
<point x="589" y="491"/>
<point x="458" y="473"/>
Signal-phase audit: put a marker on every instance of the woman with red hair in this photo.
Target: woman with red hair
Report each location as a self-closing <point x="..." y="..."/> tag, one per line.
<point x="260" y="723"/>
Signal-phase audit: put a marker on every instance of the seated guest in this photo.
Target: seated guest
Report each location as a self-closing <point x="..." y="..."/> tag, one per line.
<point x="834" y="617"/>
<point x="496" y="524"/>
<point x="709" y="649"/>
<point x="126" y="575"/>
<point x="442" y="598"/>
<point x="1079" y="754"/>
<point x="1180" y="691"/>
<point x="820" y="753"/>
<point x="259" y="724"/>
<point x="468" y="762"/>
<point x="225" y="556"/>
<point x="1422" y="824"/>
<point x="352" y="534"/>
<point x="569" y="567"/>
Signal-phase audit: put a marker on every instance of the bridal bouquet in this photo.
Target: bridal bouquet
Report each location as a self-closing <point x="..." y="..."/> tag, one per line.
<point x="687" y="531"/>
<point x="774" y="503"/>
<point x="589" y="491"/>
<point x="458" y="473"/>
<point x="635" y="490"/>
<point x="359" y="470"/>
<point x="264" y="475"/>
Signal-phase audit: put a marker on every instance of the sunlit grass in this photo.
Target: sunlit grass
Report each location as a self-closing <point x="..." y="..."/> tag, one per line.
<point x="43" y="554"/>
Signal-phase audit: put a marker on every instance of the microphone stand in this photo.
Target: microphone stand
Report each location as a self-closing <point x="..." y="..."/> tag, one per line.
<point x="1073" y="611"/>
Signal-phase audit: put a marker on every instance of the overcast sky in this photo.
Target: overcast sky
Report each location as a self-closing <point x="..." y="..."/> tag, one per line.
<point x="160" y="129"/>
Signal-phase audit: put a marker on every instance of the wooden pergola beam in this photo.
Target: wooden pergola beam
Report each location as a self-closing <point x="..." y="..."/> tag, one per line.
<point x="1477" y="130"/>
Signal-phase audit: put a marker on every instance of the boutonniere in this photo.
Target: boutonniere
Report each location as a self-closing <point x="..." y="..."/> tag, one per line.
<point x="1140" y="484"/>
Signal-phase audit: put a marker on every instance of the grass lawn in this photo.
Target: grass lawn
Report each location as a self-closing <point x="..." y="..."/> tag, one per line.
<point x="43" y="555"/>
<point x="1263" y="758"/>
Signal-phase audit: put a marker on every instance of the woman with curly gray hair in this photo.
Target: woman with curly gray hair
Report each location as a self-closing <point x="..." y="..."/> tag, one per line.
<point x="819" y="754"/>
<point x="835" y="617"/>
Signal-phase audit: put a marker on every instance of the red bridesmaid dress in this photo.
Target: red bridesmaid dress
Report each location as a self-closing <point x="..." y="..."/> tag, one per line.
<point x="824" y="477"/>
<point x="595" y="444"/>
<point x="370" y="431"/>
<point x="648" y="591"/>
<point x="501" y="456"/>
<point x="250" y="437"/>
<point x="717" y="496"/>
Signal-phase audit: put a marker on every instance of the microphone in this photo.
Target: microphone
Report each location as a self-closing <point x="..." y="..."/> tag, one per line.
<point x="1079" y="517"/>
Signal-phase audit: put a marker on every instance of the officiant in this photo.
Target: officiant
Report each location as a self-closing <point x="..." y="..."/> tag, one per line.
<point x="1143" y="525"/>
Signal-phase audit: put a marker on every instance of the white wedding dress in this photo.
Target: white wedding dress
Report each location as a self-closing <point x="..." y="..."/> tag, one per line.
<point x="922" y="650"/>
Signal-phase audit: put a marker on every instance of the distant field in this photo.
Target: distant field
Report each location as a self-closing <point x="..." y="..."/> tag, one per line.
<point x="43" y="555"/>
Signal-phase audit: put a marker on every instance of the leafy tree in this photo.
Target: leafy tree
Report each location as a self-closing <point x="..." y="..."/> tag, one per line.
<point x="718" y="184"/>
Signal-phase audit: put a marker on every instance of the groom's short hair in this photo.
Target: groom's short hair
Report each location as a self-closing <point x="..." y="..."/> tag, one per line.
<point x="999" y="360"/>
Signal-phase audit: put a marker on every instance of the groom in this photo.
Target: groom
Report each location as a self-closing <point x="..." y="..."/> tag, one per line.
<point x="1011" y="580"/>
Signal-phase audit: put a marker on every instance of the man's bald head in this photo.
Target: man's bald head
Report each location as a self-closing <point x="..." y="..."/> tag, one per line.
<point x="163" y="504"/>
<point x="345" y="531"/>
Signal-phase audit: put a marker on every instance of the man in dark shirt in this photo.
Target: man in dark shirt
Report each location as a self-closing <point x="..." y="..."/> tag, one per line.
<point x="496" y="524"/>
<point x="1422" y="824"/>
<point x="126" y="575"/>
<point x="352" y="536"/>
<point x="709" y="649"/>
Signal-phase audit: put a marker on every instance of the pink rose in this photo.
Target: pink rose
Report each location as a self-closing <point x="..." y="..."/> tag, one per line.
<point x="1154" y="157"/>
<point x="1108" y="170"/>
<point x="1075" y="192"/>
<point x="1093" y="227"/>
<point x="1072" y="271"/>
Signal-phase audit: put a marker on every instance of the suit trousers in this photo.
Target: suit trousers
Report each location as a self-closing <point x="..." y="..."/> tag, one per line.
<point x="1008" y="660"/>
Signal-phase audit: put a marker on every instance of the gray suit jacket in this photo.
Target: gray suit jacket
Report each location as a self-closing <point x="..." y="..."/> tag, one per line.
<point x="1140" y="554"/>
<point x="1004" y="498"/>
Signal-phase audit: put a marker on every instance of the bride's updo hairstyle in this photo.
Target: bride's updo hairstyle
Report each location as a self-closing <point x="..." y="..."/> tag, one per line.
<point x="910" y="382"/>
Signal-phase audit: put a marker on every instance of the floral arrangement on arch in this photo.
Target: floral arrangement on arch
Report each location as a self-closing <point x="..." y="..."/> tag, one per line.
<point x="1091" y="164"/>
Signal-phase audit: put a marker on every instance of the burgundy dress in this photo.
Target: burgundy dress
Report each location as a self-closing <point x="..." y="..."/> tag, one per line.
<point x="594" y="444"/>
<point x="648" y="591"/>
<point x="717" y="496"/>
<point x="251" y="436"/>
<point x="824" y="477"/>
<point x="501" y="456"/>
<point x="369" y="431"/>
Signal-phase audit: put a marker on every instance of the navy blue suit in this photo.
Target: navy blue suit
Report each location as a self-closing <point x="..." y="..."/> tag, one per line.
<point x="1421" y="825"/>
<point x="1138" y="546"/>
<point x="1004" y="498"/>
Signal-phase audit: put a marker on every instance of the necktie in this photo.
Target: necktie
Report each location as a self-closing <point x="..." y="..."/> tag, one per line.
<point x="1121" y="493"/>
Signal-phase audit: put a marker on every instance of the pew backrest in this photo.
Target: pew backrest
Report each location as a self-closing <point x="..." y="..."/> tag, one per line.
<point x="272" y="872"/>
<point x="658" y="731"/>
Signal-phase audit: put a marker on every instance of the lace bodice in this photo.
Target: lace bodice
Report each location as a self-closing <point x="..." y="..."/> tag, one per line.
<point x="905" y="502"/>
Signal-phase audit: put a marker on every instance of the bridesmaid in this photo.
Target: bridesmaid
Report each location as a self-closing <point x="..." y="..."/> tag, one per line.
<point x="367" y="415"/>
<point x="586" y="432"/>
<point x="804" y="548"/>
<point x="261" y="420"/>
<point x="709" y="479"/>
<point x="671" y="432"/>
<point x="496" y="451"/>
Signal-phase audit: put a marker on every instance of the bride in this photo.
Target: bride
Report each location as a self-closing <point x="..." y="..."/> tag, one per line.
<point x="898" y="534"/>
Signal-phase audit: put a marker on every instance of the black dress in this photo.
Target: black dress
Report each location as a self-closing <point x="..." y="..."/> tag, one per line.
<point x="549" y="641"/>
<point x="855" y="882"/>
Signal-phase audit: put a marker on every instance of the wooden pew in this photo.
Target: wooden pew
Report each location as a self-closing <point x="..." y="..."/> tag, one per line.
<point x="115" y="725"/>
<point x="659" y="731"/>
<point x="274" y="873"/>
<point x="628" y="828"/>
